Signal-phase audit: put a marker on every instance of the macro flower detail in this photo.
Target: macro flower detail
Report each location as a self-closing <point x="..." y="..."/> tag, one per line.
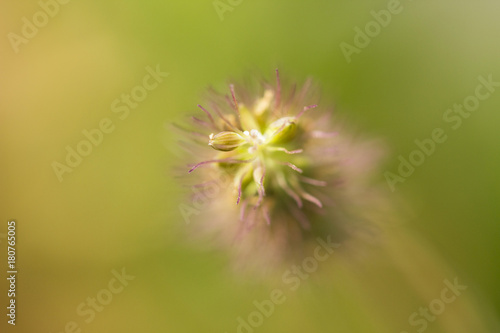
<point x="226" y="141"/>
<point x="282" y="168"/>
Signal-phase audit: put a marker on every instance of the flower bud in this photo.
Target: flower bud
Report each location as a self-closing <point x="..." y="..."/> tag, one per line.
<point x="282" y="130"/>
<point x="225" y="141"/>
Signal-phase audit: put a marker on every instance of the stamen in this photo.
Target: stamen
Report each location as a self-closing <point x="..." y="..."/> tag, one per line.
<point x="231" y="126"/>
<point x="242" y="210"/>
<point x="236" y="107"/>
<point x="293" y="166"/>
<point x="201" y="122"/>
<point x="223" y="160"/>
<point x="311" y="181"/>
<point x="309" y="197"/>
<point x="305" y="109"/>
<point x="297" y="151"/>
<point x="256" y="135"/>
<point x="209" y="115"/>
<point x="312" y="199"/>
<point x="289" y="191"/>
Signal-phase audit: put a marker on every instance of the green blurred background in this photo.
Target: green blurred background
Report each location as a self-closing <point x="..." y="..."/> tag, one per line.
<point x="119" y="207"/>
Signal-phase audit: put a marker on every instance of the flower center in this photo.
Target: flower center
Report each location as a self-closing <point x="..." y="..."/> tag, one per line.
<point x="255" y="138"/>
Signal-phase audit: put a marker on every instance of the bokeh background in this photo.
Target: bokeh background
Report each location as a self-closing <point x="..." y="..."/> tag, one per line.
<point x="120" y="207"/>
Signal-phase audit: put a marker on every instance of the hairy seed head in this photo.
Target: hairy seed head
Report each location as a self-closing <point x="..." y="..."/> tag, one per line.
<point x="282" y="168"/>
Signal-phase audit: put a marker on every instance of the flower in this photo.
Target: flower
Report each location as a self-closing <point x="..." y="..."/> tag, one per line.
<point x="273" y="170"/>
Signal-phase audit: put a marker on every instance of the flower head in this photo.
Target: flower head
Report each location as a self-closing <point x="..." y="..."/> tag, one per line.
<point x="274" y="169"/>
